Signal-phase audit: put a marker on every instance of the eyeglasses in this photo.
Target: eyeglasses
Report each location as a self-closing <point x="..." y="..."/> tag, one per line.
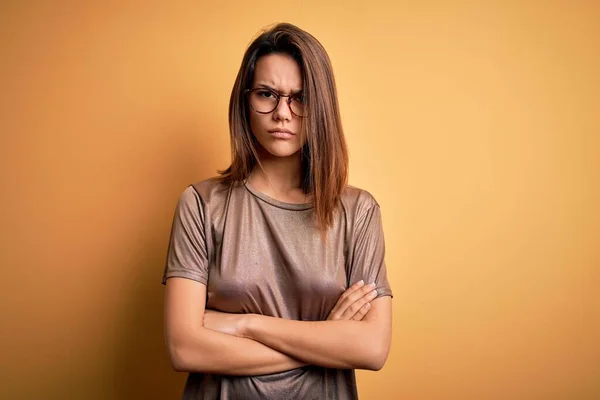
<point x="265" y="101"/>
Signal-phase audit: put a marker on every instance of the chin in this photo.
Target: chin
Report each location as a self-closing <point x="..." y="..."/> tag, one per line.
<point x="282" y="149"/>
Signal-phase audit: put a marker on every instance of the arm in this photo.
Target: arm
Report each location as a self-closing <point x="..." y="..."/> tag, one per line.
<point x="335" y="344"/>
<point x="360" y="344"/>
<point x="343" y="341"/>
<point x="193" y="348"/>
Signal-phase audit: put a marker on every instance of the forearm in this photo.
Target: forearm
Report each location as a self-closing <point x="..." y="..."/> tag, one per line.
<point x="213" y="352"/>
<point x="332" y="344"/>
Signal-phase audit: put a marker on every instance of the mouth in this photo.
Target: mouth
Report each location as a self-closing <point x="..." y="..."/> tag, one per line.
<point x="281" y="130"/>
<point x="281" y="133"/>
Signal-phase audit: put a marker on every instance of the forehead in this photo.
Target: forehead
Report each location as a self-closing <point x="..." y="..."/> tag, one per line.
<point x="278" y="71"/>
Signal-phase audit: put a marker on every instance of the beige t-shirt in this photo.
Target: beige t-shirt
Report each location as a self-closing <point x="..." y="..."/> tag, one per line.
<point x="259" y="255"/>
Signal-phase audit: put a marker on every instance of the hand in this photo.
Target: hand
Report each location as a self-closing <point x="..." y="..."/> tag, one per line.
<point x="230" y="324"/>
<point x="354" y="304"/>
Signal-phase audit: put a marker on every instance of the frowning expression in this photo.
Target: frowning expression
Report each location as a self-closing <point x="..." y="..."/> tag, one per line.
<point x="278" y="131"/>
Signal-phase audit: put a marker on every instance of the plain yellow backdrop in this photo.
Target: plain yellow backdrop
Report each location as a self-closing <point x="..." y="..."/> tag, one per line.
<point x="474" y="124"/>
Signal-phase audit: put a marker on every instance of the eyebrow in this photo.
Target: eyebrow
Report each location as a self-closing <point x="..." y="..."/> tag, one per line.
<point x="264" y="85"/>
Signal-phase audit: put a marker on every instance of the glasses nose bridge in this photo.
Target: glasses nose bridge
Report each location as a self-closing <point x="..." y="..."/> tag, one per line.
<point x="288" y="101"/>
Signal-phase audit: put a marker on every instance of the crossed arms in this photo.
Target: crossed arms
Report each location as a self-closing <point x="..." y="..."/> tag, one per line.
<point x="354" y="336"/>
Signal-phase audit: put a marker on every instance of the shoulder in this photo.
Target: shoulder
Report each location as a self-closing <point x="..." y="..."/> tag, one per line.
<point x="211" y="189"/>
<point x="356" y="201"/>
<point x="206" y="192"/>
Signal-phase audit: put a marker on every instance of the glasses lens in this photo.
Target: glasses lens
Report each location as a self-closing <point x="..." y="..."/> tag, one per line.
<point x="297" y="105"/>
<point x="263" y="101"/>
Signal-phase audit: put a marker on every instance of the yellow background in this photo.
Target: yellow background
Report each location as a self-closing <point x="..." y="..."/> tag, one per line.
<point x="474" y="124"/>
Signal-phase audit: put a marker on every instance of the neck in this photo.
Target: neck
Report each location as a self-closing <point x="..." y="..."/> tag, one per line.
<point x="281" y="177"/>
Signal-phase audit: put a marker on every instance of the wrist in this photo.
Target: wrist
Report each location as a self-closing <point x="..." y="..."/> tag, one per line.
<point x="248" y="325"/>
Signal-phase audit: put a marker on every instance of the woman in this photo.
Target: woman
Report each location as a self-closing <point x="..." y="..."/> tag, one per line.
<point x="258" y="302"/>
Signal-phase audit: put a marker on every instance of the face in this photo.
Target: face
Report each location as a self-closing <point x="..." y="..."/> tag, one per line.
<point x="277" y="132"/>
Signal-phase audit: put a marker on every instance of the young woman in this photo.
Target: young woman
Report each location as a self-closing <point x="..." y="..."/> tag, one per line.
<point x="276" y="284"/>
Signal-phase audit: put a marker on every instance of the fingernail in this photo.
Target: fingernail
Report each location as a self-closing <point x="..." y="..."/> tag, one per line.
<point x="368" y="305"/>
<point x="361" y="282"/>
<point x="372" y="284"/>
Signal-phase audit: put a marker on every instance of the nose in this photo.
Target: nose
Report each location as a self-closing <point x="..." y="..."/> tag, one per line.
<point x="282" y="111"/>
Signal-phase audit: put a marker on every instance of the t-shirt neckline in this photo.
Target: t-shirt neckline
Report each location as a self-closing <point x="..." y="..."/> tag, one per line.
<point x="275" y="202"/>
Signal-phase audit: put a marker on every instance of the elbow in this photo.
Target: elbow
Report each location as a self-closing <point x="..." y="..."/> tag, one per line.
<point x="178" y="367"/>
<point x="187" y="351"/>
<point x="182" y="355"/>
<point x="376" y="359"/>
<point x="177" y="357"/>
<point x="376" y="363"/>
<point x="188" y="355"/>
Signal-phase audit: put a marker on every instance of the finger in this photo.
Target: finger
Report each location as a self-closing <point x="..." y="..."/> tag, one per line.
<point x="356" y="305"/>
<point x="362" y="312"/>
<point x="353" y="302"/>
<point x="356" y="295"/>
<point x="347" y="301"/>
<point x="350" y="290"/>
<point x="344" y="295"/>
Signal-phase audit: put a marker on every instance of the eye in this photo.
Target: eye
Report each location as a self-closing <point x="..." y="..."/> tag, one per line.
<point x="298" y="97"/>
<point x="267" y="94"/>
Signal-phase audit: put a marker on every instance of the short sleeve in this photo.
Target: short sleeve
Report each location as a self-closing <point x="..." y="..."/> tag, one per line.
<point x="187" y="254"/>
<point x="368" y="252"/>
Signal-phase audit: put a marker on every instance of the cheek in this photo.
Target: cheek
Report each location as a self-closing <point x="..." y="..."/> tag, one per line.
<point x="302" y="139"/>
<point x="253" y="122"/>
<point x="259" y="123"/>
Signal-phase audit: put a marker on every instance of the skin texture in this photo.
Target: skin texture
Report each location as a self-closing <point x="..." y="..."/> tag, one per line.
<point x="354" y="303"/>
<point x="200" y="340"/>
<point x="195" y="348"/>
<point x="280" y="73"/>
<point x="280" y="174"/>
<point x="357" y="333"/>
<point x="341" y="343"/>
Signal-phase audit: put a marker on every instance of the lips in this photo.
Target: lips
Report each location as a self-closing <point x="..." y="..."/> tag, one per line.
<point x="281" y="130"/>
<point x="281" y="133"/>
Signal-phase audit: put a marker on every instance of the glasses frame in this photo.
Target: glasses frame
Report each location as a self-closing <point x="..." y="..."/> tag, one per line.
<point x="247" y="92"/>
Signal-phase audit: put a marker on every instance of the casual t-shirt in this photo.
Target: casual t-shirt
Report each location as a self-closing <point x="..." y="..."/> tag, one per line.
<point x="259" y="255"/>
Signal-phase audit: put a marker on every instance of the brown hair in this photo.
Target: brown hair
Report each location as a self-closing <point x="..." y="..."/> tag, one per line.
<point x="325" y="155"/>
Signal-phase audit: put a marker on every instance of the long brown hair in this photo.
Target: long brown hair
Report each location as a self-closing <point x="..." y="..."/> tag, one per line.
<point x="325" y="155"/>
